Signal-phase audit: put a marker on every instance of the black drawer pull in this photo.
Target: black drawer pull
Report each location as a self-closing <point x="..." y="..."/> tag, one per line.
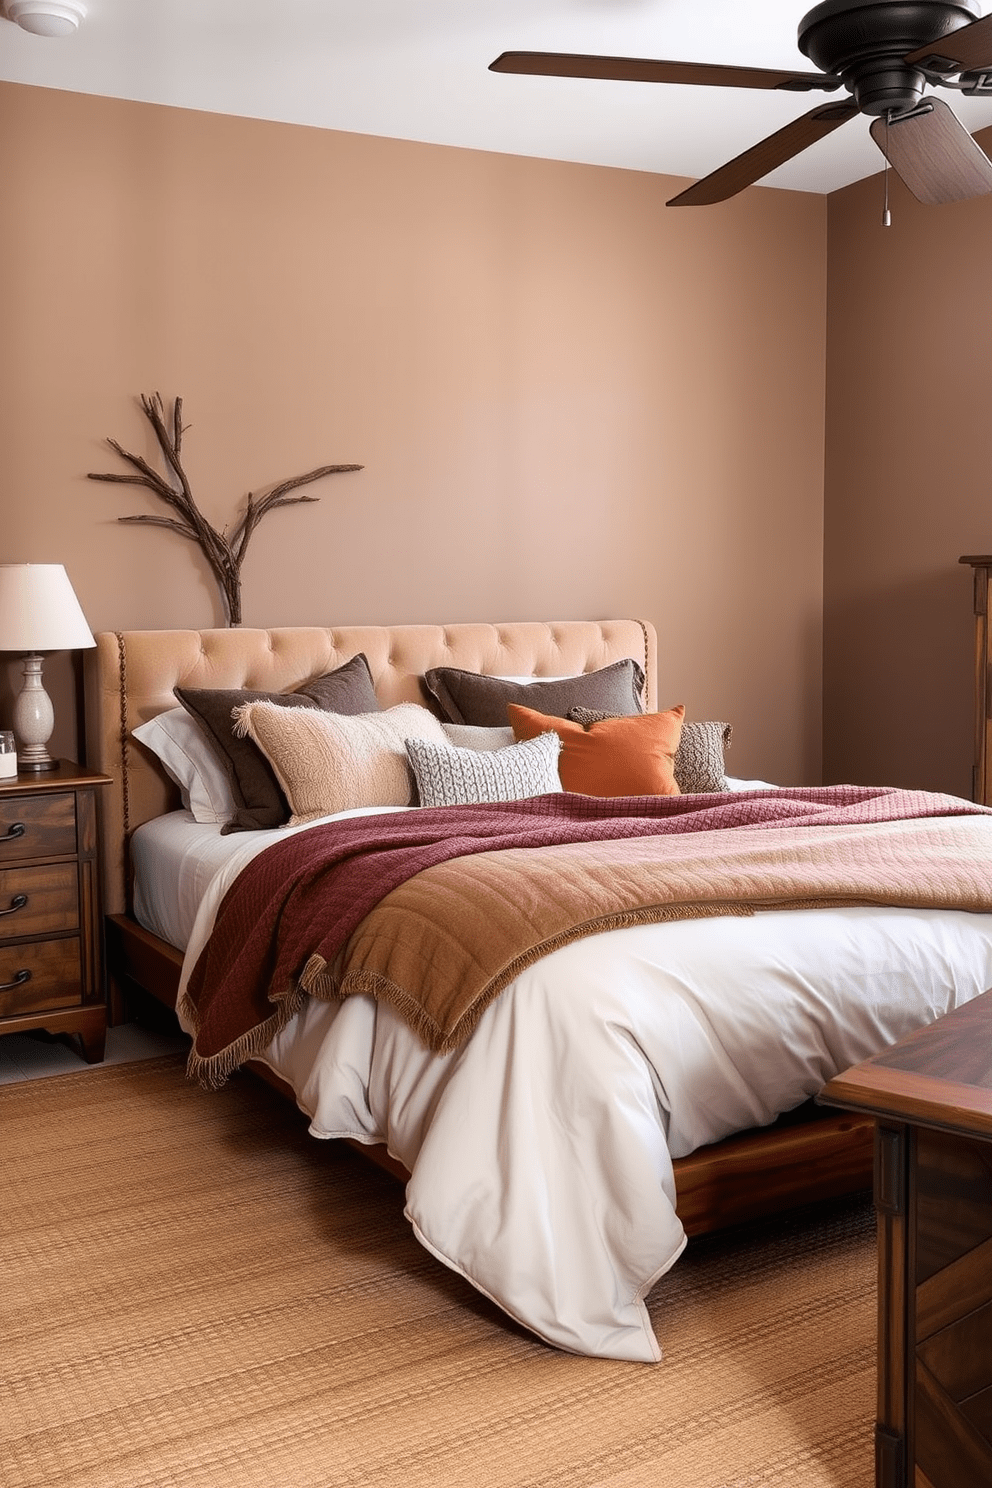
<point x="17" y="830"/>
<point x="20" y="978"/>
<point x="18" y="902"/>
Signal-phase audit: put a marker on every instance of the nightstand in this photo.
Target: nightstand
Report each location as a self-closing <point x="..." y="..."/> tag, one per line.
<point x="931" y="1096"/>
<point x="51" y="940"/>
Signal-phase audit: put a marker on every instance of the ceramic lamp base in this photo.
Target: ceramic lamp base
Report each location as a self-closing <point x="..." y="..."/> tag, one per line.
<point x="33" y="719"/>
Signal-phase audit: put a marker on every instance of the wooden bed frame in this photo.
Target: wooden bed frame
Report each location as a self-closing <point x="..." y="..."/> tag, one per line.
<point x="806" y="1156"/>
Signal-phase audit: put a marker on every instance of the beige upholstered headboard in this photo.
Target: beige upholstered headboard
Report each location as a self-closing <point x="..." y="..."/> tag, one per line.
<point x="131" y="676"/>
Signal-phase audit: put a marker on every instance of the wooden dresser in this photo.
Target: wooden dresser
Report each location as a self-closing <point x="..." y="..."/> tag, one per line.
<point x="931" y="1096"/>
<point x="981" y="780"/>
<point x="51" y="944"/>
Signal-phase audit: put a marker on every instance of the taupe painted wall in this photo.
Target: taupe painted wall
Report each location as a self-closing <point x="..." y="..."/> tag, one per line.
<point x="908" y="472"/>
<point x="569" y="402"/>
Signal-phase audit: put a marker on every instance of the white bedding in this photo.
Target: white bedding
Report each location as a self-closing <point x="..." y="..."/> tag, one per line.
<point x="541" y="1150"/>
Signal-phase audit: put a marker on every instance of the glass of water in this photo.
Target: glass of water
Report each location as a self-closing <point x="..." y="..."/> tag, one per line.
<point x="8" y="755"/>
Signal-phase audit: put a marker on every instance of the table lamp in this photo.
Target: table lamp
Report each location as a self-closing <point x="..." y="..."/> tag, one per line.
<point x="38" y="612"/>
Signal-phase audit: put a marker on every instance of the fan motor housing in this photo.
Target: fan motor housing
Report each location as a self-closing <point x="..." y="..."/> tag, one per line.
<point x="864" y="42"/>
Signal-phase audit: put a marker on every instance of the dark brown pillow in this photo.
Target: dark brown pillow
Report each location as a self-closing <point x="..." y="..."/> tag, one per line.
<point x="470" y="697"/>
<point x="258" y="796"/>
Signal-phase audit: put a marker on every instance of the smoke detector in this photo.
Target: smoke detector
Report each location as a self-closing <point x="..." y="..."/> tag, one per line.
<point x="47" y="17"/>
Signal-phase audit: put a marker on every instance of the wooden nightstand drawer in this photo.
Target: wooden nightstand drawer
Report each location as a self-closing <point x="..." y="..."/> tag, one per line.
<point x="38" y="900"/>
<point x="41" y="826"/>
<point x="41" y="974"/>
<point x="51" y="927"/>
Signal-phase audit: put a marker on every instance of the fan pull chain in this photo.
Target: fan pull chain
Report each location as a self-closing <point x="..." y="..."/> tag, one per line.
<point x="886" y="214"/>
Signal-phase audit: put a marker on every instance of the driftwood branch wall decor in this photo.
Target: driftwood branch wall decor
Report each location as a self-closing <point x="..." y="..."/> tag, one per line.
<point x="224" y="551"/>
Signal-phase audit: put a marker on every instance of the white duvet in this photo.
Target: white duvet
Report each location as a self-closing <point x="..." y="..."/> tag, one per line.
<point x="541" y="1151"/>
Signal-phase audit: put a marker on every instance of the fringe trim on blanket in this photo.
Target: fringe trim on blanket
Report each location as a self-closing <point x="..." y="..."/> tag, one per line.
<point x="331" y="985"/>
<point x="213" y="1070"/>
<point x="328" y="985"/>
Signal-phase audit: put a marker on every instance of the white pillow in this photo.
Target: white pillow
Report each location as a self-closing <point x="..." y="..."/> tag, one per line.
<point x="330" y="762"/>
<point x="447" y="776"/>
<point x="476" y="736"/>
<point x="188" y="758"/>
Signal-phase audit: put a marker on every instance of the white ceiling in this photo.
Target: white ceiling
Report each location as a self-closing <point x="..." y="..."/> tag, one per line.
<point x="417" y="69"/>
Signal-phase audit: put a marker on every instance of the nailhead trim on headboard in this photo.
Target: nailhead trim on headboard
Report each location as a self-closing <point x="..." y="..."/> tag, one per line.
<point x="648" y="700"/>
<point x="125" y="796"/>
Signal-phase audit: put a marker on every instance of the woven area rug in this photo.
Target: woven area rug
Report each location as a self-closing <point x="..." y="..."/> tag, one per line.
<point x="196" y="1294"/>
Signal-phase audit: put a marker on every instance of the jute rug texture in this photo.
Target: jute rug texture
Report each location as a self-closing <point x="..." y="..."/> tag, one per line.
<point x="196" y="1294"/>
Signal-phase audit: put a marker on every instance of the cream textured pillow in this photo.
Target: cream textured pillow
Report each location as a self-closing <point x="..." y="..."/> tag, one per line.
<point x="327" y="762"/>
<point x="448" y="776"/>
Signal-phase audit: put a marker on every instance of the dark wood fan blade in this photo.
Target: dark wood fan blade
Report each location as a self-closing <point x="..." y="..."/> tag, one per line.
<point x="745" y="169"/>
<point x="934" y="154"/>
<point x="643" y="70"/>
<point x="969" y="49"/>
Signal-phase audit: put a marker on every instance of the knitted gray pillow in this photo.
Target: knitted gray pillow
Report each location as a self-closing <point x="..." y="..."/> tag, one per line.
<point x="447" y="776"/>
<point x="699" y="763"/>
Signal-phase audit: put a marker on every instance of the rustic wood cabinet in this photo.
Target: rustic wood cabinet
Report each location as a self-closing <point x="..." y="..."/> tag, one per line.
<point x="51" y="944"/>
<point x="981" y="780"/>
<point x="931" y="1096"/>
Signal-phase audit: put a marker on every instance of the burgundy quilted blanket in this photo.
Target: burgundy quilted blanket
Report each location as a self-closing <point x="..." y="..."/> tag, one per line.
<point x="341" y="907"/>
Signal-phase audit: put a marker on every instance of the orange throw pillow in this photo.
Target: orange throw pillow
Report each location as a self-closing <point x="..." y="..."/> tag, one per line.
<point x="632" y="756"/>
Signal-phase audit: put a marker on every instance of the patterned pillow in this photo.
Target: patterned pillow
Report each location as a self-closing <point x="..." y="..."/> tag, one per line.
<point x="699" y="762"/>
<point x="447" y="776"/>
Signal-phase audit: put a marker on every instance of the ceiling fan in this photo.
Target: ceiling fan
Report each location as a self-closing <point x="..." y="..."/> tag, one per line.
<point x="885" y="53"/>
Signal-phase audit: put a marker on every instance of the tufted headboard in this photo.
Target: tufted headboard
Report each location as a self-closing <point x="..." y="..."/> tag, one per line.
<point x="131" y="675"/>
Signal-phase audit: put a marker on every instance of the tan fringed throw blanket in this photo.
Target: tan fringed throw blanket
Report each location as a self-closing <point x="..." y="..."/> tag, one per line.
<point x="436" y="911"/>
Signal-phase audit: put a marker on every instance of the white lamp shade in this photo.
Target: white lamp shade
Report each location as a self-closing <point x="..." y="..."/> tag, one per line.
<point x="39" y="610"/>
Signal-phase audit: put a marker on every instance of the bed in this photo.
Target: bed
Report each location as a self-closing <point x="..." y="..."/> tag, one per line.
<point x="681" y="1150"/>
